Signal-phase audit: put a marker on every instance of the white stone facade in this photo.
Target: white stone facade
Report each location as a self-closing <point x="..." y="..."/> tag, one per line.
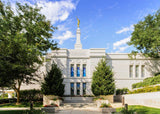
<point x="126" y="70"/>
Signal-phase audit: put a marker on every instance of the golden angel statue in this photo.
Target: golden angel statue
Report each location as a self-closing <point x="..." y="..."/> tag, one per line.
<point x="78" y="22"/>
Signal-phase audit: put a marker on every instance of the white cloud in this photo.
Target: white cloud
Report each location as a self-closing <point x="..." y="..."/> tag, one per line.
<point x="144" y="12"/>
<point x="125" y="29"/>
<point x="121" y="49"/>
<point x="54" y="11"/>
<point x="65" y="36"/>
<point x="108" y="45"/>
<point x="62" y="27"/>
<point x="57" y="10"/>
<point x="121" y="42"/>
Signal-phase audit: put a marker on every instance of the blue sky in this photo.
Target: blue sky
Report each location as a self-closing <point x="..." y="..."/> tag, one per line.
<point x="103" y="23"/>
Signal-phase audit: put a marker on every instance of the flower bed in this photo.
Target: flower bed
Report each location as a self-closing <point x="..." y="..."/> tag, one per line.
<point x="49" y="108"/>
<point x="107" y="108"/>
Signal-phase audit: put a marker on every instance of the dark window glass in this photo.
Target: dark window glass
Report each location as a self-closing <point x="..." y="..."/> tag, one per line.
<point x="78" y="88"/>
<point x="84" y="70"/>
<point x="72" y="88"/>
<point x="84" y="88"/>
<point x="72" y="70"/>
<point x="78" y="70"/>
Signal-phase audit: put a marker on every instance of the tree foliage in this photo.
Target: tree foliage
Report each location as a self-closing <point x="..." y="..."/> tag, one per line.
<point x="24" y="38"/>
<point x="102" y="80"/>
<point x="146" y="36"/>
<point x="53" y="82"/>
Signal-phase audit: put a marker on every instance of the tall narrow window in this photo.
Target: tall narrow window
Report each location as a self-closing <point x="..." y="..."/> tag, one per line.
<point x="84" y="70"/>
<point x="137" y="71"/>
<point x="84" y="88"/>
<point x="78" y="70"/>
<point x="72" y="70"/>
<point x="142" y="71"/>
<point x="72" y="88"/>
<point x="78" y="88"/>
<point x="131" y="71"/>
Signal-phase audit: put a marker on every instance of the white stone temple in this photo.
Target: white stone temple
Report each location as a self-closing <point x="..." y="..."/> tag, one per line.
<point x="78" y="65"/>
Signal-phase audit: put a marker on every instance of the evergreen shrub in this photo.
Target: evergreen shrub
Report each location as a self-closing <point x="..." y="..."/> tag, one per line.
<point x="102" y="80"/>
<point x="53" y="82"/>
<point x="147" y="82"/>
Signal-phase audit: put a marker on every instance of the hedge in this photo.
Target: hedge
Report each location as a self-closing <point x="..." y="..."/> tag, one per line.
<point x="145" y="89"/>
<point x="31" y="95"/>
<point x="122" y="91"/>
<point x="147" y="82"/>
<point x="8" y="100"/>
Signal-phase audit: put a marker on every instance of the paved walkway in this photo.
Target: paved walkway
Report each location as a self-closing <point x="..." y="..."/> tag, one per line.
<point x="73" y="111"/>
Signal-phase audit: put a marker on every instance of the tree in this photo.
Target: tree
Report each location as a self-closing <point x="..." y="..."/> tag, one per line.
<point x="102" y="80"/>
<point x="25" y="36"/>
<point x="53" y="82"/>
<point x="146" y="36"/>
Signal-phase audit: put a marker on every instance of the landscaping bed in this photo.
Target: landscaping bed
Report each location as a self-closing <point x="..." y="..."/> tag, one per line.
<point x="22" y="104"/>
<point x="139" y="110"/>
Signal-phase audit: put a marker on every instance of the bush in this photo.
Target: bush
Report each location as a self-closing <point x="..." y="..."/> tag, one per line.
<point x="53" y="82"/>
<point x="156" y="74"/>
<point x="148" y="81"/>
<point x="31" y="95"/>
<point x="102" y="79"/>
<point x="122" y="91"/>
<point x="98" y="98"/>
<point x="3" y="96"/>
<point x="9" y="100"/>
<point x="145" y="89"/>
<point x="104" y="105"/>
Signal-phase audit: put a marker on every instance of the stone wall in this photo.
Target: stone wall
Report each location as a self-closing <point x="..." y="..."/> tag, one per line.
<point x="108" y="97"/>
<point x="151" y="99"/>
<point x="49" y="99"/>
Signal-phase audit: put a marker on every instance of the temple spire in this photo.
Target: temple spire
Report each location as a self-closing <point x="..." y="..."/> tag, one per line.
<point x="78" y="44"/>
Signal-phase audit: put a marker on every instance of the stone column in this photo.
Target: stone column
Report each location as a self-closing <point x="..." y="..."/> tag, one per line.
<point x="75" y="88"/>
<point x="78" y="44"/>
<point x="140" y="70"/>
<point x="81" y="70"/>
<point x="81" y="88"/>
<point x="75" y="70"/>
<point x="134" y="71"/>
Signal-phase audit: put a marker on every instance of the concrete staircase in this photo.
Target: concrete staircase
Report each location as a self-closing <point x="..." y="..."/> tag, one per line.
<point x="80" y="106"/>
<point x="78" y="99"/>
<point x="81" y="103"/>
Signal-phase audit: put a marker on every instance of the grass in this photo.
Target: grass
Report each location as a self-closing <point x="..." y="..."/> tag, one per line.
<point x="139" y="110"/>
<point x="23" y="104"/>
<point x="21" y="112"/>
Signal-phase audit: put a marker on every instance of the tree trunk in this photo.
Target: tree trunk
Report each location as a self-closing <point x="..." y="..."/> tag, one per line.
<point x="18" y="97"/>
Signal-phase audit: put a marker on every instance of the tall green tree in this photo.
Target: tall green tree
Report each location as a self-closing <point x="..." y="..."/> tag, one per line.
<point x="25" y="36"/>
<point x="146" y="36"/>
<point x="53" y="82"/>
<point x="102" y="79"/>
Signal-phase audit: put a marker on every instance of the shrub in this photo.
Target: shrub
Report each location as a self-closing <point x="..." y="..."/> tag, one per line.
<point x="102" y="80"/>
<point x="104" y="105"/>
<point x="122" y="91"/>
<point x="9" y="100"/>
<point x="53" y="82"/>
<point x="98" y="98"/>
<point x="156" y="74"/>
<point x="31" y="95"/>
<point x="148" y="81"/>
<point x="145" y="89"/>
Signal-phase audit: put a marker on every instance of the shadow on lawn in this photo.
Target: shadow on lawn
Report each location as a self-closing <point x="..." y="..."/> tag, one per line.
<point x="21" y="112"/>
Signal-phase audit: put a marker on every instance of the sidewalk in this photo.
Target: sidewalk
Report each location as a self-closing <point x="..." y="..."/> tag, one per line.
<point x="20" y="108"/>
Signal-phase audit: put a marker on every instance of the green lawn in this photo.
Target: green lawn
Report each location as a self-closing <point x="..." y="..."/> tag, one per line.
<point x="23" y="104"/>
<point x="20" y="112"/>
<point x="140" y="110"/>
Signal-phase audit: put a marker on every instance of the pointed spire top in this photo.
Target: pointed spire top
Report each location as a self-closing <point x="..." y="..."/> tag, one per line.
<point x="78" y="44"/>
<point x="78" y="22"/>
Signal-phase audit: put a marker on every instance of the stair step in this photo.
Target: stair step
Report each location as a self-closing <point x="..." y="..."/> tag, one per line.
<point x="78" y="105"/>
